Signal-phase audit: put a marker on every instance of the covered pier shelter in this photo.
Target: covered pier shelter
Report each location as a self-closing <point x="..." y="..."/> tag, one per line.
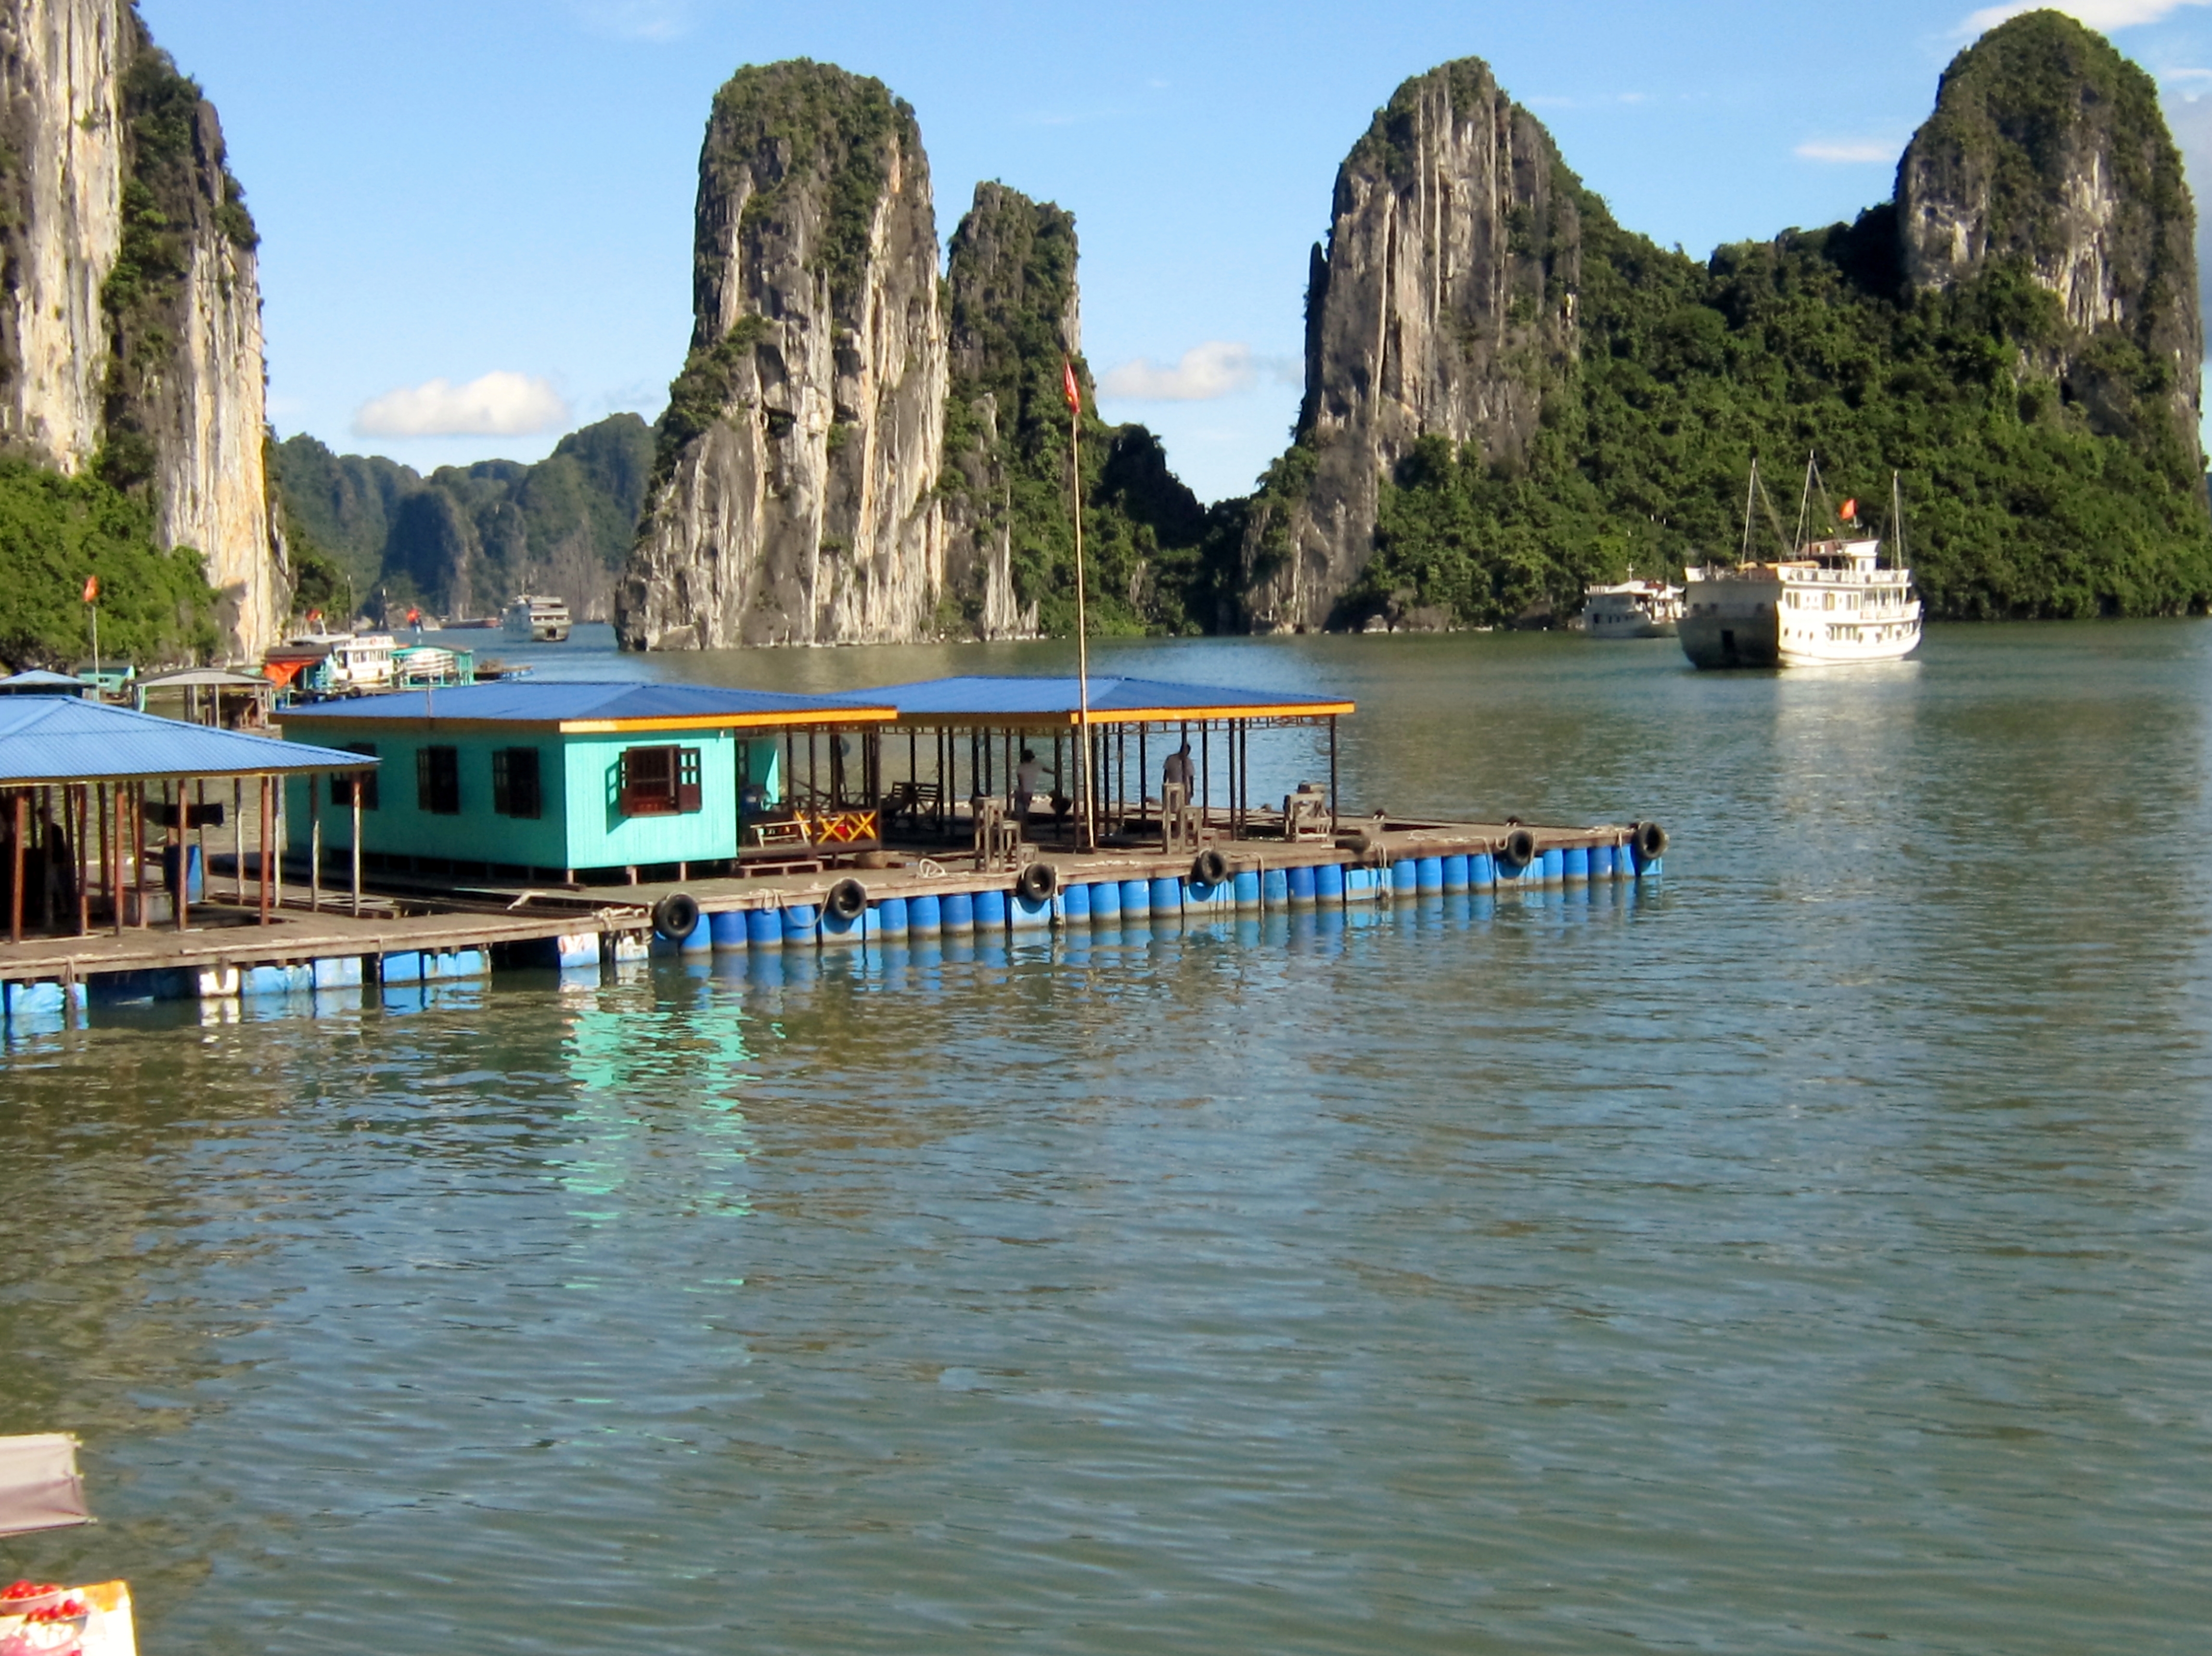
<point x="105" y="813"/>
<point x="959" y="740"/>
<point x="620" y="782"/>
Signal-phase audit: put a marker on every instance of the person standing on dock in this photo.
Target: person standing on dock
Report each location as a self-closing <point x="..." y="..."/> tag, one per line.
<point x="1029" y="782"/>
<point x="1174" y="797"/>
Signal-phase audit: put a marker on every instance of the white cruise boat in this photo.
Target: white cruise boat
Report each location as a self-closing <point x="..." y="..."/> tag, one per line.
<point x="538" y="620"/>
<point x="1832" y="602"/>
<point x="1632" y="609"/>
<point x="336" y="663"/>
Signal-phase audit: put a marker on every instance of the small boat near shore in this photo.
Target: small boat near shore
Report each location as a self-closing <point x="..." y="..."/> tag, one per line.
<point x="538" y="620"/>
<point x="1831" y="602"/>
<point x="1632" y="609"/>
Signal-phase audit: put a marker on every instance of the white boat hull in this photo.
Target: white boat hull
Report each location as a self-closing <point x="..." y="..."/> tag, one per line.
<point x="1632" y="630"/>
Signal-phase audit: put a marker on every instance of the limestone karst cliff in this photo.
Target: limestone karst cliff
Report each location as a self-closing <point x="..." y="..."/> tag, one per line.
<point x="793" y="500"/>
<point x="1510" y="395"/>
<point x="1443" y="304"/>
<point x="130" y="332"/>
<point x="2047" y="150"/>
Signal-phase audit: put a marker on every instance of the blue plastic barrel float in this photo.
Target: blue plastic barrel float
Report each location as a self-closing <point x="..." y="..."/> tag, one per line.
<point x="1328" y="883"/>
<point x="1105" y="901"/>
<point x="925" y="917"/>
<point x="1481" y="872"/>
<point x="1136" y="898"/>
<point x="1578" y="864"/>
<point x="1166" y="897"/>
<point x="1404" y="876"/>
<point x="959" y="912"/>
<point x="726" y="929"/>
<point x="1245" y="889"/>
<point x="1455" y="873"/>
<point x="1074" y="902"/>
<point x="1601" y="857"/>
<point x="1555" y="866"/>
<point x="892" y="917"/>
<point x="801" y="921"/>
<point x="990" y="911"/>
<point x="1299" y="882"/>
<point x="765" y="929"/>
<point x="1431" y="875"/>
<point x="1275" y="889"/>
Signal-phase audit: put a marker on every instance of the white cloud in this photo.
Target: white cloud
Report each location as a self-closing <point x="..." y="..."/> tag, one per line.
<point x="1219" y="368"/>
<point x="1850" y="152"/>
<point x="499" y="404"/>
<point x="2096" y="14"/>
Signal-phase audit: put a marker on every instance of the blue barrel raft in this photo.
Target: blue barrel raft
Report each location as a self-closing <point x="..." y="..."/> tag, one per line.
<point x="801" y="922"/>
<point x="1275" y="889"/>
<point x="925" y="917"/>
<point x="1299" y="882"/>
<point x="1406" y="876"/>
<point x="1601" y="861"/>
<point x="892" y="917"/>
<point x="1578" y="864"/>
<point x="1328" y="883"/>
<point x="1136" y="898"/>
<point x="1431" y="880"/>
<point x="1105" y="901"/>
<point x="959" y="913"/>
<point x="1246" y="890"/>
<point x="1166" y="897"/>
<point x="990" y="911"/>
<point x="1073" y="904"/>
<point x="1455" y="873"/>
<point x="1555" y="866"/>
<point x="726" y="929"/>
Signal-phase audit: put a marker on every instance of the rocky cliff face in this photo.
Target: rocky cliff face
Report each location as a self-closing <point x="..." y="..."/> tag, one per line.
<point x="1015" y="317"/>
<point x="130" y="332"/>
<point x="2047" y="150"/>
<point x="1444" y="303"/>
<point x="792" y="499"/>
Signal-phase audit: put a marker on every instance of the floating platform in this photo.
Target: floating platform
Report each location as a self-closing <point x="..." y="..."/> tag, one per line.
<point x="475" y="930"/>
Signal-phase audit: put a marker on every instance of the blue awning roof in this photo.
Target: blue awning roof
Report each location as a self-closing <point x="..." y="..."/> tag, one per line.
<point x="37" y="681"/>
<point x="49" y="739"/>
<point x="631" y="704"/>
<point x="986" y="698"/>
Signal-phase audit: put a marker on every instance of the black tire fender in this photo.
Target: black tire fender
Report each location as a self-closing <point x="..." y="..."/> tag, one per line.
<point x="1650" y="841"/>
<point x="847" y="899"/>
<point x="1210" y="868"/>
<point x="1038" y="882"/>
<point x="676" y="916"/>
<point x="1520" y="847"/>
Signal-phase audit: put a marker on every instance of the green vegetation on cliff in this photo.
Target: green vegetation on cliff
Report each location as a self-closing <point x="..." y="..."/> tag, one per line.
<point x="155" y="606"/>
<point x="2013" y="505"/>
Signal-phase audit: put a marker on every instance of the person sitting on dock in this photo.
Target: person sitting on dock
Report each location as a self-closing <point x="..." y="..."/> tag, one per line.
<point x="1029" y="783"/>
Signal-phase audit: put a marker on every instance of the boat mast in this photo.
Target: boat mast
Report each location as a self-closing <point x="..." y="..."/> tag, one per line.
<point x="1804" y="505"/>
<point x="1896" y="523"/>
<point x="1751" y="489"/>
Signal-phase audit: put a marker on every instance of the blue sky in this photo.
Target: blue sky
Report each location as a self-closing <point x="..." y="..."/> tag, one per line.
<point x="477" y="214"/>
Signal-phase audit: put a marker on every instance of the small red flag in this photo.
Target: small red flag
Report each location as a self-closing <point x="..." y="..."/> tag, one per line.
<point x="413" y="615"/>
<point x="1851" y="512"/>
<point x="1068" y="387"/>
<point x="92" y="589"/>
<point x="314" y="616"/>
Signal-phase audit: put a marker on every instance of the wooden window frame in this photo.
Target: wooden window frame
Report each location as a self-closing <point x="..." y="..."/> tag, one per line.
<point x="668" y="784"/>
<point x="438" y="780"/>
<point x="517" y="787"/>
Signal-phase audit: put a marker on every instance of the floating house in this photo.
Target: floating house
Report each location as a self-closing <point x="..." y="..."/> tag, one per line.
<point x="962" y="738"/>
<point x="91" y="795"/>
<point x="555" y="782"/>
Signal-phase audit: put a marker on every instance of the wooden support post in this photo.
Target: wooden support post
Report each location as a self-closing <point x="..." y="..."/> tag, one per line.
<point x="145" y="916"/>
<point x="1331" y="773"/>
<point x="83" y="791"/>
<point x="113" y="847"/>
<point x="262" y="868"/>
<point x="1204" y="770"/>
<point x="107" y="860"/>
<point x="238" y="836"/>
<point x="314" y="851"/>
<point x="277" y="841"/>
<point x="182" y="902"/>
<point x="21" y="813"/>
<point x="1144" y="777"/>
<point x="354" y="794"/>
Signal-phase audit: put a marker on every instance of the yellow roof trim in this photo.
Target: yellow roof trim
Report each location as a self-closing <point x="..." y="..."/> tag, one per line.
<point x="725" y="722"/>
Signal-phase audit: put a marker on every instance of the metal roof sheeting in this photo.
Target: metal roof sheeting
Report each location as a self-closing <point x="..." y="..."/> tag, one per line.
<point x="59" y="739"/>
<point x="1113" y="701"/>
<point x="553" y="703"/>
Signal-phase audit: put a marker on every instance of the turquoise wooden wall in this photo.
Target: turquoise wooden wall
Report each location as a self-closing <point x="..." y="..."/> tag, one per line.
<point x="580" y="825"/>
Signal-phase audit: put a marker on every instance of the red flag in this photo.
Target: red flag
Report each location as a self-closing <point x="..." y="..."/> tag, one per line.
<point x="413" y="615"/>
<point x="314" y="616"/>
<point x="1851" y="512"/>
<point x="1068" y="387"/>
<point x="92" y="589"/>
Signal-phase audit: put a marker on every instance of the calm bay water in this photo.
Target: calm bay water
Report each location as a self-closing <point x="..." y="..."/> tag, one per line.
<point x="1811" y="1251"/>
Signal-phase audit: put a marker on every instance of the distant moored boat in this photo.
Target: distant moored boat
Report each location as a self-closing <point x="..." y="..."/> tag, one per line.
<point x="1632" y="609"/>
<point x="538" y="620"/>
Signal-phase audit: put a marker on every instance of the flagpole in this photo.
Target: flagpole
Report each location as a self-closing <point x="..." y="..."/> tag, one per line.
<point x="1081" y="630"/>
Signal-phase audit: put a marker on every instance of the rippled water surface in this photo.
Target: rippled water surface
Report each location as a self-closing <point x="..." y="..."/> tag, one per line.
<point x="1809" y="1252"/>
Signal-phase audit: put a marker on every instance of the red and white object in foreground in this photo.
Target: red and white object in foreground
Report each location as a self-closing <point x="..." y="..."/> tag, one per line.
<point x="42" y="1619"/>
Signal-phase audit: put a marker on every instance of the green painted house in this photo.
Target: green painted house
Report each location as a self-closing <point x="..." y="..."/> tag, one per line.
<point x="557" y="781"/>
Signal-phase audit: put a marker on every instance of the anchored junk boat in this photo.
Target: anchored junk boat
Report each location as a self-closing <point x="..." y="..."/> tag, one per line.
<point x="1632" y="609"/>
<point x="1830" y="602"/>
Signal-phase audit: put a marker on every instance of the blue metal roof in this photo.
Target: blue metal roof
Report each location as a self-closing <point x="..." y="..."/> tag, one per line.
<point x="60" y="739"/>
<point x="1113" y="700"/>
<point x="543" y="701"/>
<point x="37" y="681"/>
